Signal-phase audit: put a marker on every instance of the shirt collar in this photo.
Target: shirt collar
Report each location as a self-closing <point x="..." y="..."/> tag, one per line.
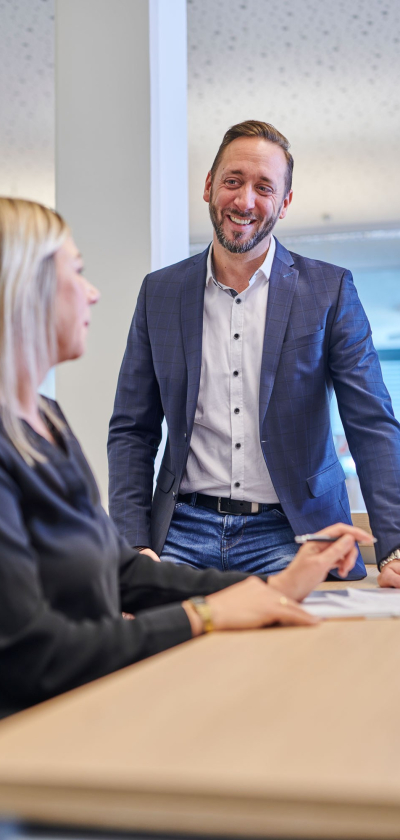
<point x="263" y="270"/>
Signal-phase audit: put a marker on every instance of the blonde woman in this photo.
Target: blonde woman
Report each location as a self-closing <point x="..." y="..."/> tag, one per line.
<point x="65" y="574"/>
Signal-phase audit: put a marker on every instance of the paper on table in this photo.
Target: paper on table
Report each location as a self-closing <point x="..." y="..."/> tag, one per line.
<point x="354" y="603"/>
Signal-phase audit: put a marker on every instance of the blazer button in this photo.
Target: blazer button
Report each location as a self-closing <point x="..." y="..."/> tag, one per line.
<point x="185" y="436"/>
<point x="174" y="494"/>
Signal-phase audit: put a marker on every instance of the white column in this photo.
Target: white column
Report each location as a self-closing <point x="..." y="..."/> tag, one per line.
<point x="109" y="172"/>
<point x="169" y="142"/>
<point x="169" y="146"/>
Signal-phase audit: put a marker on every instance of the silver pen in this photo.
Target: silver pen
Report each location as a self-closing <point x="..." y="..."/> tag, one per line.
<point x="305" y="538"/>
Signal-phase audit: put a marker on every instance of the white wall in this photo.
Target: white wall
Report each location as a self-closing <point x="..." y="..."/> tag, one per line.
<point x="102" y="189"/>
<point x="104" y="175"/>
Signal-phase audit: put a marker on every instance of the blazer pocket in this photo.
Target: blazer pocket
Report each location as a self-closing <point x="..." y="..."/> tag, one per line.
<point x="165" y="479"/>
<point x="325" y="480"/>
<point x="303" y="339"/>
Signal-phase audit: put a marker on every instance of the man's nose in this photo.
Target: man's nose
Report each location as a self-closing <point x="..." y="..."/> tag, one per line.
<point x="245" y="198"/>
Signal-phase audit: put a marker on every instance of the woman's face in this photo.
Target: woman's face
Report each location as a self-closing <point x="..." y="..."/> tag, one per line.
<point x="74" y="297"/>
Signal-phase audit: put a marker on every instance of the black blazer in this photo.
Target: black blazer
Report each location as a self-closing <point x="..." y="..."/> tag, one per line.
<point x="65" y="576"/>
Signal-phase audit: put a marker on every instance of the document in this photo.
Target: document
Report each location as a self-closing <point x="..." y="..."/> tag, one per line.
<point x="354" y="603"/>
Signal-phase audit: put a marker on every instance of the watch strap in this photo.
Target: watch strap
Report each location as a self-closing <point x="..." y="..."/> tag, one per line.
<point x="394" y="555"/>
<point x="203" y="610"/>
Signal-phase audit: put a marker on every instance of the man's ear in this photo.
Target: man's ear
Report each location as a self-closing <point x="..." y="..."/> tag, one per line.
<point x="285" y="205"/>
<point x="207" y="188"/>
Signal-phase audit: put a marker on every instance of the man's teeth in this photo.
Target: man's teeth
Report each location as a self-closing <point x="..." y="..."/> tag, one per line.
<point x="240" y="221"/>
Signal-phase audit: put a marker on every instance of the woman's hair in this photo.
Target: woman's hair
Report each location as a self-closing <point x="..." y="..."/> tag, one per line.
<point x="30" y="236"/>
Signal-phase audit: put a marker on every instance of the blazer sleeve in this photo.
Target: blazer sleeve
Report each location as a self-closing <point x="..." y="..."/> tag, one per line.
<point x="145" y="583"/>
<point x="42" y="651"/>
<point x="135" y="434"/>
<point x="372" y="432"/>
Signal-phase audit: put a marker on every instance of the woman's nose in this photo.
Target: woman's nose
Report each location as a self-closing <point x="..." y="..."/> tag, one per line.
<point x="93" y="294"/>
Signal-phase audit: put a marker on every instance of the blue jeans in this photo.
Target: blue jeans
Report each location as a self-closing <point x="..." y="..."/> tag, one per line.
<point x="261" y="543"/>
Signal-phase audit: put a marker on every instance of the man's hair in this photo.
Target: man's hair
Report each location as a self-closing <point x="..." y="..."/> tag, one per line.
<point x="255" y="128"/>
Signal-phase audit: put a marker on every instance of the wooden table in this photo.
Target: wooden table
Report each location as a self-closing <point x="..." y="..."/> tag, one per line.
<point x="286" y="732"/>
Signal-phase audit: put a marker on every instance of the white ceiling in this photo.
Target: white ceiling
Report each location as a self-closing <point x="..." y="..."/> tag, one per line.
<point x="27" y="99"/>
<point x="327" y="75"/>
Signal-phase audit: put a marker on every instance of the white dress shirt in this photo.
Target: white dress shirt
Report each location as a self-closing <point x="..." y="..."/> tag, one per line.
<point x="225" y="457"/>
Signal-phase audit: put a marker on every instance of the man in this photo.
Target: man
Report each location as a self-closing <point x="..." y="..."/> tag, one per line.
<point x="239" y="348"/>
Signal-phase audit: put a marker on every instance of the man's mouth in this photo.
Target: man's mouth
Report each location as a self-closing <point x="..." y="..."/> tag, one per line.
<point x="237" y="220"/>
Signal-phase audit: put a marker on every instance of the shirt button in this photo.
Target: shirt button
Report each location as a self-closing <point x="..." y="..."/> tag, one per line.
<point x="238" y="300"/>
<point x="237" y="483"/>
<point x="236" y="373"/>
<point x="237" y="445"/>
<point x="236" y="410"/>
<point x="236" y="336"/>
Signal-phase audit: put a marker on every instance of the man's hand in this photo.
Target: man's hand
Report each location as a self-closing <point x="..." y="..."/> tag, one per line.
<point x="390" y="575"/>
<point x="151" y="554"/>
<point x="314" y="561"/>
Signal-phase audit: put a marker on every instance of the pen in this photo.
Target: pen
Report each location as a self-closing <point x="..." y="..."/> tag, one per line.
<point x="319" y="538"/>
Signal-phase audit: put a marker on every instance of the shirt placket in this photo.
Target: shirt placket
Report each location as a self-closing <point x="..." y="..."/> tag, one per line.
<point x="236" y="402"/>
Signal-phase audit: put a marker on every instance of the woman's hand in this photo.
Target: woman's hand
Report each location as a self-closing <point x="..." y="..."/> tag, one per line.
<point x="248" y="605"/>
<point x="314" y="561"/>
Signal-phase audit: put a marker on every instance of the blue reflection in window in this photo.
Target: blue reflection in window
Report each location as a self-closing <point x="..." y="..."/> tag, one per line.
<point x="373" y="256"/>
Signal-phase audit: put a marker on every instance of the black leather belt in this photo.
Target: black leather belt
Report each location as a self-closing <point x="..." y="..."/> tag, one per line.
<point x="234" y="507"/>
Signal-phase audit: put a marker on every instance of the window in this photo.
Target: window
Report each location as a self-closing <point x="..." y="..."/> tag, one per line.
<point x="374" y="258"/>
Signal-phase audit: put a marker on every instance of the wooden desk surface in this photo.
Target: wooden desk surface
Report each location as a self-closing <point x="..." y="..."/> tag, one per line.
<point x="286" y="732"/>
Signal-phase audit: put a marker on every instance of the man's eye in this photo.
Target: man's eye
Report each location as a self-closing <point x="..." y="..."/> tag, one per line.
<point x="265" y="189"/>
<point x="231" y="182"/>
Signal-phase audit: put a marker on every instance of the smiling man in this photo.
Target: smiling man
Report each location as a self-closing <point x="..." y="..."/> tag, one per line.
<point x="239" y="349"/>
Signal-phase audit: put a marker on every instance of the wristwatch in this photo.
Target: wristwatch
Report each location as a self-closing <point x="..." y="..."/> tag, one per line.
<point x="394" y="555"/>
<point x="203" y="610"/>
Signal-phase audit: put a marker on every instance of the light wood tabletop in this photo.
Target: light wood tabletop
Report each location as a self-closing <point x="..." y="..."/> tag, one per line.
<point x="284" y="732"/>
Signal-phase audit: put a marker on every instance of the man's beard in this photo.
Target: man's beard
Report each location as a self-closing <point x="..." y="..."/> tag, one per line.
<point x="235" y="246"/>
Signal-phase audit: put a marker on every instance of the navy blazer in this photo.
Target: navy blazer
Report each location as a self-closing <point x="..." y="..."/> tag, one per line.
<point x="317" y="337"/>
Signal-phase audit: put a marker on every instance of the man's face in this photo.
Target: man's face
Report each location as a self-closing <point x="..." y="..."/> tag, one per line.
<point x="247" y="195"/>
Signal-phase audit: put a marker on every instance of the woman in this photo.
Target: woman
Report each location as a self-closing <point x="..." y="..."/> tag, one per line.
<point x="65" y="574"/>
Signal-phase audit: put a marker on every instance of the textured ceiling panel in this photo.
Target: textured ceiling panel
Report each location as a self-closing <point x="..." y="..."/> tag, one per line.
<point x="327" y="75"/>
<point x="27" y="99"/>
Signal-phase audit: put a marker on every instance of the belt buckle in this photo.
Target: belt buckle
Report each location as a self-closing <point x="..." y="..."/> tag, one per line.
<point x="219" y="508"/>
<point x="254" y="508"/>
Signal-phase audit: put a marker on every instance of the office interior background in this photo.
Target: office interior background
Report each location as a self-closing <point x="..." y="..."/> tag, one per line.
<point x="112" y="111"/>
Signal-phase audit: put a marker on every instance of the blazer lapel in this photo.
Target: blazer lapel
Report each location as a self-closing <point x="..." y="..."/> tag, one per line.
<point x="192" y="305"/>
<point x="282" y="285"/>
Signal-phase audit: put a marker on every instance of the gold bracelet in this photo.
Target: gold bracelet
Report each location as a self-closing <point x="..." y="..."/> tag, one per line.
<point x="203" y="610"/>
